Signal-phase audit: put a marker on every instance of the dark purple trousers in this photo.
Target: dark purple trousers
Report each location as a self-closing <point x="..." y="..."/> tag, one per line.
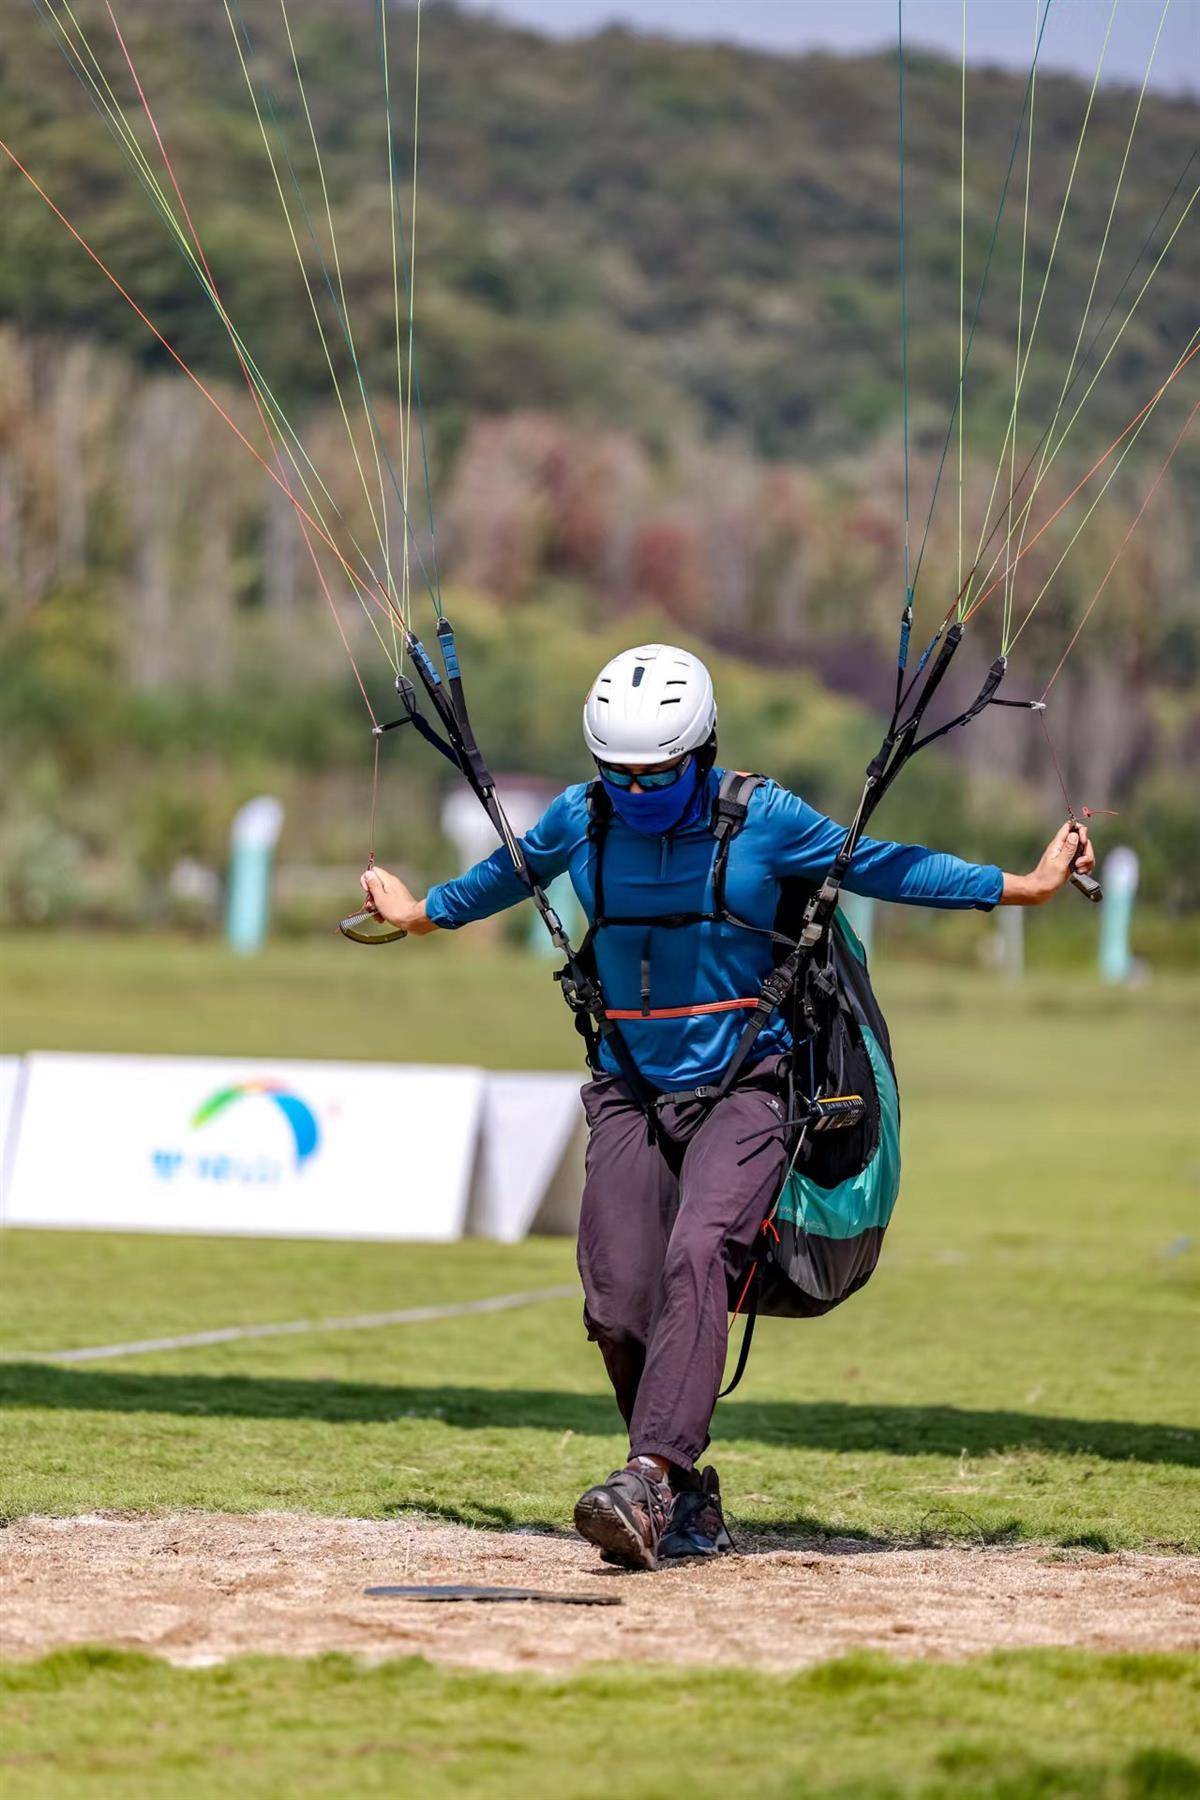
<point x="662" y="1236"/>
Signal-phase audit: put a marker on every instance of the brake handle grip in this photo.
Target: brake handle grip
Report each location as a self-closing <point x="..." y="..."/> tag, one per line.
<point x="349" y="928"/>
<point x="1088" y="886"/>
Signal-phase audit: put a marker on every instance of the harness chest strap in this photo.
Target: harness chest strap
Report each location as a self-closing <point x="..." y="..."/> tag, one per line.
<point x="681" y="1012"/>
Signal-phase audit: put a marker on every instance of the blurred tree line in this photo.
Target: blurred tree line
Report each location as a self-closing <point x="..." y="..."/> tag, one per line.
<point x="657" y="310"/>
<point x="658" y="235"/>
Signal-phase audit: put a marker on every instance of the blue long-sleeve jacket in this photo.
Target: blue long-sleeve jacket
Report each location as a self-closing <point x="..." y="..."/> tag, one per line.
<point x="688" y="966"/>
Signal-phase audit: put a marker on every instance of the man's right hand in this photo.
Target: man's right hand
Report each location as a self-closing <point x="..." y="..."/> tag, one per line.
<point x="394" y="904"/>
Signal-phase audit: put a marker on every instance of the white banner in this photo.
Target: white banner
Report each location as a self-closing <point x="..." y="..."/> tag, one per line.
<point x="11" y="1076"/>
<point x="530" y="1171"/>
<point x="205" y="1144"/>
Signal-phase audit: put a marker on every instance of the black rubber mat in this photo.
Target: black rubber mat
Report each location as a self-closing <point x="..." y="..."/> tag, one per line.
<point x="491" y="1594"/>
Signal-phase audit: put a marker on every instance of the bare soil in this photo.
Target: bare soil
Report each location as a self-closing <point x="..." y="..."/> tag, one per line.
<point x="199" y="1587"/>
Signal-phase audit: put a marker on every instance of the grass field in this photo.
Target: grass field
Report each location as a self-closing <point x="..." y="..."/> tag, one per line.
<point x="1023" y="1366"/>
<point x="1016" y="1727"/>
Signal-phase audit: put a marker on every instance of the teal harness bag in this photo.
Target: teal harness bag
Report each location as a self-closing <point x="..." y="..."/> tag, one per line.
<point x="822" y="1240"/>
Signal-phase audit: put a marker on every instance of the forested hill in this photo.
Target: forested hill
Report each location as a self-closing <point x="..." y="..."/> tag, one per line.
<point x="665" y="237"/>
<point x="658" y="317"/>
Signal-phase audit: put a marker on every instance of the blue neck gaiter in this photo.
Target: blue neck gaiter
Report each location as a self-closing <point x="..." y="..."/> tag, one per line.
<point x="660" y="810"/>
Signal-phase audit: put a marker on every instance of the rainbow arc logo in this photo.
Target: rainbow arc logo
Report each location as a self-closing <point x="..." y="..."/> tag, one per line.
<point x="306" y="1133"/>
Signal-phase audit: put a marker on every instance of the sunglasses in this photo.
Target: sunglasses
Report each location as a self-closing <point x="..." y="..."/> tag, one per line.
<point x="650" y="779"/>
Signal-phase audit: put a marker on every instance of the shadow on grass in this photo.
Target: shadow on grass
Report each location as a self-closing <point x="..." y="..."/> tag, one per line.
<point x="823" y="1425"/>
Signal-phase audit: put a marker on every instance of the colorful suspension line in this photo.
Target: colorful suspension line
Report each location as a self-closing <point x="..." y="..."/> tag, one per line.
<point x="87" y="68"/>
<point x="1050" y="264"/>
<point x="1048" y="446"/>
<point x="906" y="614"/>
<point x="978" y="306"/>
<point x="1005" y="514"/>
<point x="376" y="595"/>
<point x="1091" y="295"/>
<point x="281" y="437"/>
<point x="245" y="51"/>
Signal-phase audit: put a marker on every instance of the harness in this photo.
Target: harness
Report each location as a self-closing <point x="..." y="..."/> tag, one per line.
<point x="728" y="817"/>
<point x="804" y="976"/>
<point x="820" y="1112"/>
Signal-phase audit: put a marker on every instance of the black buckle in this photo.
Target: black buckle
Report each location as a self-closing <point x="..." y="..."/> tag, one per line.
<point x="775" y="990"/>
<point x="728" y="813"/>
<point x="824" y="981"/>
<point x="571" y="990"/>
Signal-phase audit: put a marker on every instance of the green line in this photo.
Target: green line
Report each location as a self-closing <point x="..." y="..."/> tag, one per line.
<point x="962" y="285"/>
<point x="987" y="266"/>
<point x="405" y="598"/>
<point x="281" y="139"/>
<point x="304" y="277"/>
<point x="904" y="379"/>
<point x="434" y="581"/>
<point x="412" y="281"/>
<point x="345" y="307"/>
<point x="1012" y="459"/>
<point x="1087" y="311"/>
<point x="299" y="193"/>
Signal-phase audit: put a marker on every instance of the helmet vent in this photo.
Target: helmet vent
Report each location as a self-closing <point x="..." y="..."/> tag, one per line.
<point x="639" y="675"/>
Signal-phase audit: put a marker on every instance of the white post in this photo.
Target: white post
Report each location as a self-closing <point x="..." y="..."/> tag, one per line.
<point x="1010" y="941"/>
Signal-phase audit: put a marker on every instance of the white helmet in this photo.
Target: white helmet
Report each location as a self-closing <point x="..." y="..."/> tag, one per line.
<point x="648" y="705"/>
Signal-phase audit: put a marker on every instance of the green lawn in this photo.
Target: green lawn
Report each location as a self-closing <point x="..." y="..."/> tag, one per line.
<point x="443" y="1000"/>
<point x="1013" y="1727"/>
<point x="1022" y="1366"/>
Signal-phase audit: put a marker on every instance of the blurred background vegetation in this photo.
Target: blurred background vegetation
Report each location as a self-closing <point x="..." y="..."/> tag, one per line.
<point x="658" y="318"/>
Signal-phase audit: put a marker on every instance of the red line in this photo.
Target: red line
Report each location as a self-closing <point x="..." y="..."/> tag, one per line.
<point x="379" y="599"/>
<point x="1098" y="464"/>
<point x="1150" y="493"/>
<point x="1062" y="780"/>
<point x="750" y="1277"/>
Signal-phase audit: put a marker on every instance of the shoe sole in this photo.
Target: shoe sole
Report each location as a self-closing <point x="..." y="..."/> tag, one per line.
<point x="666" y="1554"/>
<point x="615" y="1536"/>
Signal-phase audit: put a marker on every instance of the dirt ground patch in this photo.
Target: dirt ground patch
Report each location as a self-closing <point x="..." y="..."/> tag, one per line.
<point x="198" y="1587"/>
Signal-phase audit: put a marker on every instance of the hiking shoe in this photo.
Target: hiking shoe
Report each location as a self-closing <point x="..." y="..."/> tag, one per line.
<point x="625" y="1518"/>
<point x="697" y="1525"/>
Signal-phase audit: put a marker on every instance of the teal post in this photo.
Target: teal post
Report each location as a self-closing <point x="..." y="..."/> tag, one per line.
<point x="252" y="840"/>
<point x="1116" y="915"/>
<point x="562" y="897"/>
<point x="860" y="915"/>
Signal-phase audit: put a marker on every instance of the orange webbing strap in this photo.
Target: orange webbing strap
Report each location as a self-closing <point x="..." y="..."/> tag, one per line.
<point x="683" y="1012"/>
